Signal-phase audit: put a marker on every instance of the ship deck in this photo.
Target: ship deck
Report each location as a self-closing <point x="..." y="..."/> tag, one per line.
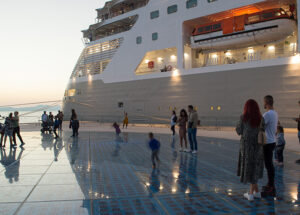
<point x="101" y="174"/>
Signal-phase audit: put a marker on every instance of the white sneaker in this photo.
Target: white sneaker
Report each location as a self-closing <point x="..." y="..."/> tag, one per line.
<point x="181" y="149"/>
<point x="248" y="196"/>
<point x="194" y="152"/>
<point x="257" y="195"/>
<point x="187" y="150"/>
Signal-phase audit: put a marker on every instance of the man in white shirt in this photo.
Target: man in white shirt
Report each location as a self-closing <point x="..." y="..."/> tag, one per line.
<point x="271" y="122"/>
<point x="45" y="117"/>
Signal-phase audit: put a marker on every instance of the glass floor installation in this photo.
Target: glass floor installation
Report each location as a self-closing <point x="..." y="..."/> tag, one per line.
<point x="98" y="173"/>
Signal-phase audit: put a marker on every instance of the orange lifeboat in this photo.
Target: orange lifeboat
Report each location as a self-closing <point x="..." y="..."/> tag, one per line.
<point x="246" y="30"/>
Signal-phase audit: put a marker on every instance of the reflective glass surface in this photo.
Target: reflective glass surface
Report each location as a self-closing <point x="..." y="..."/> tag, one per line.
<point x="99" y="173"/>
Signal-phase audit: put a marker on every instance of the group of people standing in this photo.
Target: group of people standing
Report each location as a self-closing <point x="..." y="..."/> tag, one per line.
<point x="53" y="121"/>
<point x="11" y="129"/>
<point x="260" y="135"/>
<point x="187" y="123"/>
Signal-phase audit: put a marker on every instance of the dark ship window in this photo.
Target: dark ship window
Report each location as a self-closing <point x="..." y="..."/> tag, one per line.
<point x="172" y="9"/>
<point x="154" y="14"/>
<point x="120" y="104"/>
<point x="191" y="3"/>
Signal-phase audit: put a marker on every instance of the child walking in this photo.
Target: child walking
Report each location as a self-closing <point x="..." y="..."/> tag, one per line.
<point x="154" y="146"/>
<point x="280" y="143"/>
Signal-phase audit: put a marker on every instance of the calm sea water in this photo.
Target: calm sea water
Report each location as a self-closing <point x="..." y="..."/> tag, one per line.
<point x="28" y="116"/>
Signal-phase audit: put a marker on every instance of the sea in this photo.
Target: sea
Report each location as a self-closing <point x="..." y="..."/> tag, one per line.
<point x="28" y="116"/>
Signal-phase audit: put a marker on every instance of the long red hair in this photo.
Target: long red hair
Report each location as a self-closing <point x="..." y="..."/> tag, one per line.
<point x="252" y="113"/>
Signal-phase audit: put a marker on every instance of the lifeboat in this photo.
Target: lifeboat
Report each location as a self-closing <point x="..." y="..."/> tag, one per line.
<point x="243" y="31"/>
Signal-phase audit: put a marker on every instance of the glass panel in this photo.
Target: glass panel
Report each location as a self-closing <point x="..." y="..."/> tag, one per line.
<point x="253" y="18"/>
<point x="154" y="36"/>
<point x="208" y="28"/>
<point x="268" y="15"/>
<point x="217" y="26"/>
<point x="71" y="92"/>
<point x="172" y="9"/>
<point x="139" y="40"/>
<point x="191" y="3"/>
<point x="154" y="14"/>
<point x="200" y="30"/>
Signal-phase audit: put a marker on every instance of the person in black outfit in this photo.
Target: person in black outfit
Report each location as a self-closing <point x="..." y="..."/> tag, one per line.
<point x="298" y="121"/>
<point x="74" y="123"/>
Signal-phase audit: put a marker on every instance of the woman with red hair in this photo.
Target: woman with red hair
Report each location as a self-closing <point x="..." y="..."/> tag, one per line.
<point x="251" y="158"/>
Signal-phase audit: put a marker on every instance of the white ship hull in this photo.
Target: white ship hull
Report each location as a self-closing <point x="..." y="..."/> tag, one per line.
<point x="120" y="69"/>
<point x="151" y="101"/>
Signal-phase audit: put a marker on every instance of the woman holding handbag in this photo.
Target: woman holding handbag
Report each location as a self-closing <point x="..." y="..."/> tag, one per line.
<point x="251" y="158"/>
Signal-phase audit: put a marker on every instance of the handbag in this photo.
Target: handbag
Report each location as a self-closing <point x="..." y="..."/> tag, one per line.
<point x="262" y="139"/>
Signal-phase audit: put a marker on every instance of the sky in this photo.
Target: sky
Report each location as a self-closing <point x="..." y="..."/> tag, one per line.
<point x="40" y="42"/>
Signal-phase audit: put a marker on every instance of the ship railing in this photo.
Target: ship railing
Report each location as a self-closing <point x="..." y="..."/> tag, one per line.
<point x="252" y="54"/>
<point x="120" y="11"/>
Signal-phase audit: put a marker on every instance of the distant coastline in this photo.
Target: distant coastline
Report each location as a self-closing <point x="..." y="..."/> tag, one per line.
<point x="31" y="108"/>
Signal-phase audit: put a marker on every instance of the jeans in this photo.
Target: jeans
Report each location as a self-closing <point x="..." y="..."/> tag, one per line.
<point x="154" y="156"/>
<point x="299" y="136"/>
<point x="173" y="129"/>
<point x="192" y="134"/>
<point x="268" y="157"/>
<point x="75" y="127"/>
<point x="279" y="153"/>
<point x="16" y="131"/>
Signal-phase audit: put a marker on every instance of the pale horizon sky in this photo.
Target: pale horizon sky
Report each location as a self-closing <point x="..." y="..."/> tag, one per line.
<point x="40" y="44"/>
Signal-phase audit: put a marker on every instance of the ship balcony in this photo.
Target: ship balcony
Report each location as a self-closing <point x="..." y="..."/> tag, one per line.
<point x="101" y="30"/>
<point x="118" y="7"/>
<point x="196" y="58"/>
<point x="164" y="60"/>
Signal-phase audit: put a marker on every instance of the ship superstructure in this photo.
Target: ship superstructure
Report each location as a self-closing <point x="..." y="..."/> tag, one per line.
<point x="148" y="57"/>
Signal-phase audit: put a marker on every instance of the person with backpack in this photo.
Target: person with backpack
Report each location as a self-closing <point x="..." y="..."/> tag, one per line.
<point x="173" y="122"/>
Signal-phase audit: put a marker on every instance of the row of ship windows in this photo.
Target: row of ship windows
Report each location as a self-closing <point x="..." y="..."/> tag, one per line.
<point x="173" y="8"/>
<point x="154" y="37"/>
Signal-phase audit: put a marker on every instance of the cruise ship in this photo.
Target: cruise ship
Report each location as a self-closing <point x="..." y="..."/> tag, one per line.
<point x="149" y="57"/>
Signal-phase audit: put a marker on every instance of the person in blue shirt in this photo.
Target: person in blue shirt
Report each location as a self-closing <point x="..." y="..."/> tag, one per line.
<point x="154" y="146"/>
<point x="280" y="143"/>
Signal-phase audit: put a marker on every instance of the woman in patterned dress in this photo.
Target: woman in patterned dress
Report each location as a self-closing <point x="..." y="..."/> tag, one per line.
<point x="250" y="165"/>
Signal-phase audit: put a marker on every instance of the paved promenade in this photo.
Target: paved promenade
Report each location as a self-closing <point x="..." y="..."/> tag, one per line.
<point x="101" y="174"/>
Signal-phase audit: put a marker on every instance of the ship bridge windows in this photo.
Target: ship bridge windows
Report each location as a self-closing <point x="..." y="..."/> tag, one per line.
<point x="163" y="60"/>
<point x="115" y="27"/>
<point x="98" y="31"/>
<point x="118" y="7"/>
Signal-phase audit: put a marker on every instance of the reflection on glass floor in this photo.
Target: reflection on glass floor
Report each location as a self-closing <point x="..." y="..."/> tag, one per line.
<point x="101" y="174"/>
